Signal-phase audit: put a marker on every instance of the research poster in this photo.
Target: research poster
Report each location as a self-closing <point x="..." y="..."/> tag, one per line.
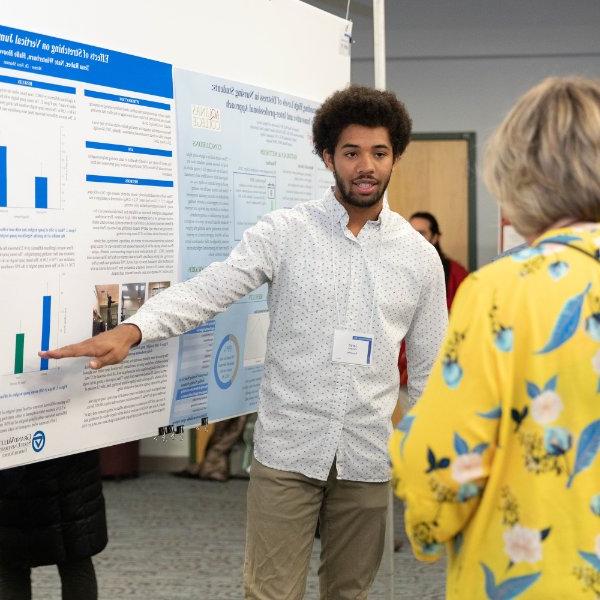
<point x="120" y="176"/>
<point x="244" y="151"/>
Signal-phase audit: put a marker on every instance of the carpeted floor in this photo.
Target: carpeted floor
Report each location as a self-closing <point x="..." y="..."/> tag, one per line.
<point x="178" y="539"/>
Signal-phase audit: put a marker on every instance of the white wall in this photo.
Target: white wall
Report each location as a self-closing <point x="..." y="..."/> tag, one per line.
<point x="460" y="65"/>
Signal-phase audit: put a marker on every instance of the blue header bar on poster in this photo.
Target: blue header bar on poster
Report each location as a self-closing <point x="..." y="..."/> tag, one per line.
<point x="128" y="181"/>
<point x="38" y="84"/>
<point x="126" y="100"/>
<point x="130" y="149"/>
<point x="56" y="57"/>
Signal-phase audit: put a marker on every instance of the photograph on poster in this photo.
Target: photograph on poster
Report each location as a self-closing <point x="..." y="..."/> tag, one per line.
<point x="155" y="287"/>
<point x="133" y="296"/>
<point x="107" y="306"/>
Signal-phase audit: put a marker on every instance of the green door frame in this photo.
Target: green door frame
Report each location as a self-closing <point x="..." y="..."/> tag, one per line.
<point x="470" y="137"/>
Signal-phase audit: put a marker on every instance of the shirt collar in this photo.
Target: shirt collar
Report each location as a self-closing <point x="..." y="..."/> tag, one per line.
<point x="340" y="215"/>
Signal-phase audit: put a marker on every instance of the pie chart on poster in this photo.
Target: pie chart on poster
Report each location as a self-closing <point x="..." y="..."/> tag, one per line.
<point x="227" y="361"/>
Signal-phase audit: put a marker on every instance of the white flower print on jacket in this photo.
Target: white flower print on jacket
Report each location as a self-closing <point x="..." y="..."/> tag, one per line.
<point x="467" y="467"/>
<point x="523" y="544"/>
<point x="546" y="407"/>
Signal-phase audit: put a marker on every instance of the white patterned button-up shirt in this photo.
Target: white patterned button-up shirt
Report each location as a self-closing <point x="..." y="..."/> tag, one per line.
<point x="313" y="411"/>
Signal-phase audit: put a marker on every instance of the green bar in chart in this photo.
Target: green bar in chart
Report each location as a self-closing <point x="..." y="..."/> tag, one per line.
<point x="19" y="352"/>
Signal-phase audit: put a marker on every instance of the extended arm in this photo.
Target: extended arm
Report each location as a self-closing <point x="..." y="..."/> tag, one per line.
<point x="186" y="305"/>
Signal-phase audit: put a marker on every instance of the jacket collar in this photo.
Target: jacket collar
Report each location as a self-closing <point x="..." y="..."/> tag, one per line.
<point x="585" y="238"/>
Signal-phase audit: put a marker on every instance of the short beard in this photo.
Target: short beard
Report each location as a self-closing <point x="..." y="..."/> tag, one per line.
<point x="348" y="198"/>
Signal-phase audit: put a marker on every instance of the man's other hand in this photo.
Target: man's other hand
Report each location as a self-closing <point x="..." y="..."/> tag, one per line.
<point x="108" y="348"/>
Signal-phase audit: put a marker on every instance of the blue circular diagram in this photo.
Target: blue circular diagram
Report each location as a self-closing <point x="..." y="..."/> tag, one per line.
<point x="227" y="361"/>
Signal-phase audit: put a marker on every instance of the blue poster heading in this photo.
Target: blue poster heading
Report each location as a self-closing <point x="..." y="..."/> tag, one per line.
<point x="130" y="149"/>
<point x="126" y="100"/>
<point x="56" y="57"/>
<point x="129" y="181"/>
<point x="38" y="84"/>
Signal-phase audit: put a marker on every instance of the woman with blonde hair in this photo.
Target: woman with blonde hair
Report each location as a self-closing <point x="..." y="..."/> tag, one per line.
<point x="499" y="461"/>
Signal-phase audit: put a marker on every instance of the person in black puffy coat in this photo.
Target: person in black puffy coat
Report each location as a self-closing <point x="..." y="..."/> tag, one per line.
<point x="52" y="512"/>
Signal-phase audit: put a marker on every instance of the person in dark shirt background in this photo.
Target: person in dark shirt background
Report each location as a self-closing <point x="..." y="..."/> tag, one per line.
<point x="427" y="225"/>
<point x="52" y="513"/>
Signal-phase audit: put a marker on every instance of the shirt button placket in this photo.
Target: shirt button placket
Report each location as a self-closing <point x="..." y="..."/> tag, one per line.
<point x="345" y="390"/>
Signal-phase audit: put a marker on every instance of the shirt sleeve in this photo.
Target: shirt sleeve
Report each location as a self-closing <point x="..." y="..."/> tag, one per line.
<point x="442" y="450"/>
<point x="253" y="262"/>
<point x="428" y="326"/>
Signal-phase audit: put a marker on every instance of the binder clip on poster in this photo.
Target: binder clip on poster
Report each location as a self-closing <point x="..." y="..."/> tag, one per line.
<point x="203" y="424"/>
<point x="171" y="430"/>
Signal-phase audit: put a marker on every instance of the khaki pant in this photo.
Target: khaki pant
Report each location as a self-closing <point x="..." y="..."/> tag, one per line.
<point x="282" y="518"/>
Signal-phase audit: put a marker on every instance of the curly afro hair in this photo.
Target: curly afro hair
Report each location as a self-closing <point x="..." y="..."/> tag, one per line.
<point x="360" y="105"/>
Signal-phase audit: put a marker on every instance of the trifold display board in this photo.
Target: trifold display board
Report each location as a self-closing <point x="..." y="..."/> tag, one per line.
<point x="138" y="140"/>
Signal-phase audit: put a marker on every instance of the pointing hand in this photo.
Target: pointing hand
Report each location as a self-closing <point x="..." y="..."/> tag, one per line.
<point x="108" y="348"/>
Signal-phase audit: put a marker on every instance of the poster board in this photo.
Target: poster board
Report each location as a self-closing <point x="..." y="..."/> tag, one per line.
<point x="97" y="156"/>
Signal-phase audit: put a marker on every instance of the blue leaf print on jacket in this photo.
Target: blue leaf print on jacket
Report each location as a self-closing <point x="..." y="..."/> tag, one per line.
<point x="405" y="426"/>
<point x="518" y="417"/>
<point x="525" y="254"/>
<point x="452" y="373"/>
<point x="490" y="581"/>
<point x="557" y="441"/>
<point x="567" y="322"/>
<point x="480" y="448"/>
<point x="533" y="391"/>
<point x="558" y="269"/>
<point x="590" y="558"/>
<point x="495" y="413"/>
<point x="589" y="444"/>
<point x="434" y="463"/>
<point x="511" y="588"/>
<point x="504" y="338"/>
<point x="562" y="238"/>
<point x="460" y="446"/>
<point x="592" y="326"/>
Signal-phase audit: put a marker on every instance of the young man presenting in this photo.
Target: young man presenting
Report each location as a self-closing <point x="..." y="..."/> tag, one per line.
<point x="348" y="280"/>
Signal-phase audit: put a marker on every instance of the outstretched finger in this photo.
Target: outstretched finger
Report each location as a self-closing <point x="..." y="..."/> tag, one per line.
<point x="85" y="348"/>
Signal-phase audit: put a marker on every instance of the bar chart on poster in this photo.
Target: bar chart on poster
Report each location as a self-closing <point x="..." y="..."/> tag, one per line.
<point x="34" y="166"/>
<point x="88" y="228"/>
<point x="35" y="325"/>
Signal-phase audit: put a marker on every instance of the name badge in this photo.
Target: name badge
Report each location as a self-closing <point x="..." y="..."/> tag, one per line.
<point x="352" y="347"/>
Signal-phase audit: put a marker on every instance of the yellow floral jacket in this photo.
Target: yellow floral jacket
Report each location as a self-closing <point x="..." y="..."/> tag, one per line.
<point x="499" y="460"/>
